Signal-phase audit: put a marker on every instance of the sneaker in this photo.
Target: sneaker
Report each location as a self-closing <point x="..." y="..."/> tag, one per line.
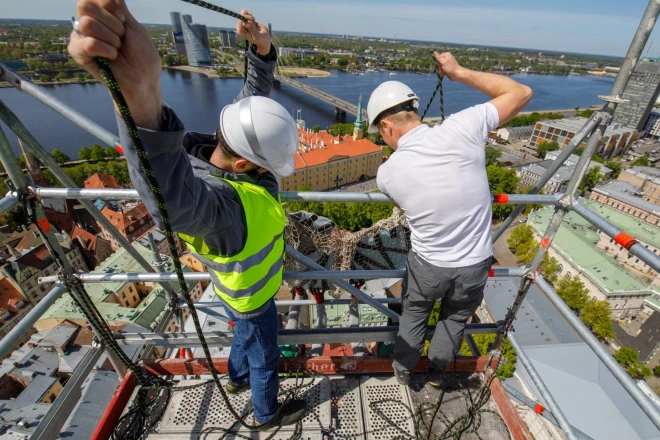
<point x="443" y="381"/>
<point x="290" y="413"/>
<point x="402" y="376"/>
<point x="232" y="388"/>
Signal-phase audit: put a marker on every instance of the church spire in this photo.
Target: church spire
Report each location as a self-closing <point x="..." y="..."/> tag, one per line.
<point x="358" y="133"/>
<point x="34" y="171"/>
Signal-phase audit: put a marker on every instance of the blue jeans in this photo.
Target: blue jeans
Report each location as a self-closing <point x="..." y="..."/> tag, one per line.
<point x="254" y="359"/>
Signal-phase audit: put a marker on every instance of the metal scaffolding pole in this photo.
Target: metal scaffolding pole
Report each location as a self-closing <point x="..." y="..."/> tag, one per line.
<point x="167" y="277"/>
<point x="15" y="173"/>
<point x="11" y="339"/>
<point x="585" y="131"/>
<point x="567" y="200"/>
<point x="303" y="259"/>
<point x="543" y="412"/>
<point x="10" y="119"/>
<point x="288" y="337"/>
<point x="8" y="202"/>
<point x="304" y="196"/>
<point x="625" y="240"/>
<point x="649" y="408"/>
<point x="545" y="393"/>
<point x="39" y="93"/>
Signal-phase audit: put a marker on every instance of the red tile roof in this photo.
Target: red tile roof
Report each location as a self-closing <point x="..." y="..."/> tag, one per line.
<point x="86" y="239"/>
<point x="9" y="297"/>
<point x="323" y="147"/>
<point x="100" y="181"/>
<point x="123" y="220"/>
<point x="38" y="258"/>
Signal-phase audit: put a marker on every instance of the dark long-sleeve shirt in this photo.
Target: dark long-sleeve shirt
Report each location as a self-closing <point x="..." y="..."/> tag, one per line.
<point x="199" y="204"/>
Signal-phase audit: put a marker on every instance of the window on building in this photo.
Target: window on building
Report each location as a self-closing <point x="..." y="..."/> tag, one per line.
<point x="130" y="289"/>
<point x="134" y="298"/>
<point x="123" y="295"/>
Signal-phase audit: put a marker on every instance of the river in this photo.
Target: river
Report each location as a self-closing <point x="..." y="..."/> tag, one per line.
<point x="198" y="100"/>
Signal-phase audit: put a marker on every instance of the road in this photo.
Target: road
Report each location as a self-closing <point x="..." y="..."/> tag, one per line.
<point x="502" y="253"/>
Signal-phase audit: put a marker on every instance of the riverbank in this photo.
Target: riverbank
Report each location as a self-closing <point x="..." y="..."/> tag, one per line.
<point x="304" y="72"/>
<point x="204" y="71"/>
<point x="6" y="85"/>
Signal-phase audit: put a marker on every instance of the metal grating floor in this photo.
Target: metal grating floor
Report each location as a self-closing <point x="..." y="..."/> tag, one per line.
<point x="338" y="408"/>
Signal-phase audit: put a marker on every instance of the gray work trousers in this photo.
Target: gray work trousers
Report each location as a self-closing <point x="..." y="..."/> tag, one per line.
<point x="461" y="290"/>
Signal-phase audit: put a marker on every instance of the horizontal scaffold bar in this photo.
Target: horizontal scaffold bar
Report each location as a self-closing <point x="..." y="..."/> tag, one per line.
<point x="304" y="196"/>
<point x="621" y="238"/>
<point x="165" y="277"/>
<point x="288" y="337"/>
<point x="319" y="364"/>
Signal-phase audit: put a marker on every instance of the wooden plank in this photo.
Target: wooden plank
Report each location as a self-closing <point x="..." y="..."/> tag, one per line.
<point x="321" y="364"/>
<point x="509" y="413"/>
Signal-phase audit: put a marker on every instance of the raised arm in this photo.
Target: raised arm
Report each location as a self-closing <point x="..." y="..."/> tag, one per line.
<point x="198" y="207"/>
<point x="509" y="96"/>
<point x="261" y="56"/>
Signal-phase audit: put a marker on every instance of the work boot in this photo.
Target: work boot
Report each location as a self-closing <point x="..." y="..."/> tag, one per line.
<point x="439" y="379"/>
<point x="288" y="414"/>
<point x="233" y="389"/>
<point x="402" y="376"/>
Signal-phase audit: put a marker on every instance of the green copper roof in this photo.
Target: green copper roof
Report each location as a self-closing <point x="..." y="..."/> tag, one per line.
<point x="576" y="243"/>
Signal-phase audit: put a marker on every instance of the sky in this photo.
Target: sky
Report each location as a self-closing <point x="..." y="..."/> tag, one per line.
<point x="584" y="26"/>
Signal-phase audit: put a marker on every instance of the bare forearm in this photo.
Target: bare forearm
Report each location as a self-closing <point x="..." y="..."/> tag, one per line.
<point x="489" y="83"/>
<point x="509" y="96"/>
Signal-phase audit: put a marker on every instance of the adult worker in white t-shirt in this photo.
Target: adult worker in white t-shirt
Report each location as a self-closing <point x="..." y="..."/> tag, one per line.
<point x="438" y="177"/>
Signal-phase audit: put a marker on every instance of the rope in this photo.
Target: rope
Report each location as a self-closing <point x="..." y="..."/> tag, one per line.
<point x="438" y="88"/>
<point x="141" y="405"/>
<point x="469" y="423"/>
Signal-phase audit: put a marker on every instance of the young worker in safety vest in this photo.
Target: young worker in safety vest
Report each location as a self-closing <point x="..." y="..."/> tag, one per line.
<point x="220" y="189"/>
<point x="438" y="177"/>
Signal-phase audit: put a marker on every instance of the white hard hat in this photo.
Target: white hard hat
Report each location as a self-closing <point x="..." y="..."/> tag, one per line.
<point x="261" y="131"/>
<point x="386" y="96"/>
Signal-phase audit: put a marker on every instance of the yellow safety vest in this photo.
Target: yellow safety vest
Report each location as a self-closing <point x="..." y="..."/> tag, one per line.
<point x="250" y="278"/>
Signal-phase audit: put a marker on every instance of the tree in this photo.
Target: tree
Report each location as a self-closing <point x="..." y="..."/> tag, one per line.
<point x="97" y="153"/>
<point x="45" y="78"/>
<point x="597" y="316"/>
<point x="182" y="59"/>
<point x="550" y="268"/>
<point x="501" y="181"/>
<point x="60" y="76"/>
<point x="59" y="156"/>
<point x="376" y="138"/>
<point x="168" y="60"/>
<point x="89" y="76"/>
<point x="573" y="292"/>
<point x="546" y="146"/>
<point x="316" y="128"/>
<point x="387" y="151"/>
<point x="521" y="234"/>
<point x="615" y="166"/>
<point x="526" y="251"/>
<point x="341" y="129"/>
<point x="591" y="179"/>
<point x="628" y="358"/>
<point x="491" y="156"/>
<point x="642" y="161"/>
<point x="656" y="371"/>
<point x="111" y="153"/>
<point x="577" y="107"/>
<point x="509" y="357"/>
<point x="84" y="153"/>
<point x="80" y="76"/>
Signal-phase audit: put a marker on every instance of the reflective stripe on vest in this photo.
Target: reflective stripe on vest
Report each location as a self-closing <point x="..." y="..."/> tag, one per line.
<point x="248" y="279"/>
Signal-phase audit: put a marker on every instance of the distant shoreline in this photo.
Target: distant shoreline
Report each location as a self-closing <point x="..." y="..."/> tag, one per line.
<point x="6" y="85"/>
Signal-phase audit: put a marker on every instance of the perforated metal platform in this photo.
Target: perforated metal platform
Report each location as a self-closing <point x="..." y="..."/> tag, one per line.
<point x="197" y="410"/>
<point x="338" y="408"/>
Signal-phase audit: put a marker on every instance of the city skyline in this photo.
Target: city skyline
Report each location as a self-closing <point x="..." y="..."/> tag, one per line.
<point x="589" y="27"/>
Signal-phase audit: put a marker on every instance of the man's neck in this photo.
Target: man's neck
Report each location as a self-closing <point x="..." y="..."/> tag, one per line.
<point x="220" y="161"/>
<point x="405" y="129"/>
